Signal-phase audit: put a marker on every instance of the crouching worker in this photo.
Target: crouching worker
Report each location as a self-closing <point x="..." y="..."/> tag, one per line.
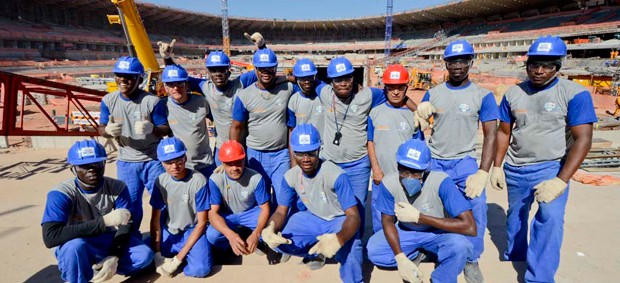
<point x="180" y="202"/>
<point x="330" y="224"/>
<point x="87" y="218"/>
<point x="432" y="215"/>
<point x="239" y="199"/>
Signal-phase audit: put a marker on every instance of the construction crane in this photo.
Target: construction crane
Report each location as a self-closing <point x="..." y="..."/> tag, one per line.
<point x="388" y="30"/>
<point x="225" y="36"/>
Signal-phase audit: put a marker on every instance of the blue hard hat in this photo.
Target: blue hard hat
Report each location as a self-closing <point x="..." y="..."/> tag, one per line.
<point x="304" y="138"/>
<point x="338" y="67"/>
<point x="548" y="46"/>
<point x="86" y="152"/>
<point x="170" y="148"/>
<point x="128" y="65"/>
<point x="414" y="154"/>
<point x="174" y="73"/>
<point x="458" y="47"/>
<point x="217" y="59"/>
<point x="264" y="58"/>
<point x="304" y="68"/>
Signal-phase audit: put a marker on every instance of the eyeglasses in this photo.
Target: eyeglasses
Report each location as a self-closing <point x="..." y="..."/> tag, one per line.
<point x="391" y="88"/>
<point x="218" y="70"/>
<point x="343" y="79"/>
<point x="126" y="76"/>
<point x="546" y="66"/>
<point x="271" y="70"/>
<point x="177" y="161"/>
<point x="305" y="79"/>
<point x="96" y="165"/>
<point x="313" y="153"/>
<point x="458" y="63"/>
<point x="405" y="172"/>
<point x="175" y="84"/>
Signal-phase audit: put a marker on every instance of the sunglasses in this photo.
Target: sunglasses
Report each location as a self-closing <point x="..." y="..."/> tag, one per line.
<point x="546" y="66"/>
<point x="271" y="70"/>
<point x="458" y="63"/>
<point x="175" y="84"/>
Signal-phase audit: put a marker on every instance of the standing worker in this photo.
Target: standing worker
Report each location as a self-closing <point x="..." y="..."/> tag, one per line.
<point x="187" y="116"/>
<point x="88" y="219"/>
<point x="178" y="233"/>
<point x="552" y="120"/>
<point x="460" y="105"/>
<point x="137" y="120"/>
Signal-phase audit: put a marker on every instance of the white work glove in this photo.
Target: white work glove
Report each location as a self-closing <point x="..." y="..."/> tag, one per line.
<point x="143" y="127"/>
<point x="113" y="129"/>
<point x="406" y="212"/>
<point x="105" y="269"/>
<point x="117" y="217"/>
<point x="328" y="245"/>
<point x="272" y="239"/>
<point x="407" y="269"/>
<point x="166" y="50"/>
<point x="475" y="184"/>
<point x="498" y="178"/>
<point x="425" y="110"/>
<point x="219" y="169"/>
<point x="419" y="122"/>
<point x="549" y="190"/>
<point x="170" y="266"/>
<point x="256" y="38"/>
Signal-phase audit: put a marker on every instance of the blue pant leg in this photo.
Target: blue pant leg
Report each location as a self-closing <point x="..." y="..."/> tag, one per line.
<point x="207" y="171"/>
<point x="376" y="214"/>
<point x="169" y="245"/>
<point x="199" y="259"/>
<point x="216" y="238"/>
<point x="350" y="254"/>
<point x="452" y="252"/>
<point x="216" y="156"/>
<point x="137" y="257"/>
<point x="279" y="162"/>
<point x="380" y="253"/>
<point x="256" y="161"/>
<point x="302" y="229"/>
<point x="249" y="218"/>
<point x="152" y="170"/>
<point x="520" y="199"/>
<point x="479" y="210"/>
<point x="75" y="260"/>
<point x="131" y="174"/>
<point x="543" y="253"/>
<point x="359" y="176"/>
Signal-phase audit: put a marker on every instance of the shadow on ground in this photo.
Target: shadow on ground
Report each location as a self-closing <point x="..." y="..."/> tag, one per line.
<point x="496" y="217"/>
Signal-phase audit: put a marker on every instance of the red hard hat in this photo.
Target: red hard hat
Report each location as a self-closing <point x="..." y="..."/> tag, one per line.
<point x="231" y="151"/>
<point x="395" y="75"/>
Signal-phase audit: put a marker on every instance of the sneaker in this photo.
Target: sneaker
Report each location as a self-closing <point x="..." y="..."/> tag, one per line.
<point x="314" y="262"/>
<point x="472" y="273"/>
<point x="274" y="257"/>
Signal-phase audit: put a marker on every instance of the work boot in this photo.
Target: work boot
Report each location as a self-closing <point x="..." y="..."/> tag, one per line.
<point x="274" y="257"/>
<point x="314" y="262"/>
<point x="472" y="273"/>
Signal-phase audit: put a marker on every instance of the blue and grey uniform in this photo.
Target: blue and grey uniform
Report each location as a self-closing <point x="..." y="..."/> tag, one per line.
<point x="221" y="103"/>
<point x="541" y="138"/>
<point x="69" y="204"/>
<point x="352" y="122"/>
<point x="181" y="201"/>
<point x="326" y="195"/>
<point x="239" y="202"/>
<point x="188" y="123"/>
<point x="306" y="109"/>
<point x="265" y="111"/>
<point x="137" y="163"/>
<point x="452" y="140"/>
<point x="438" y="198"/>
<point x="388" y="128"/>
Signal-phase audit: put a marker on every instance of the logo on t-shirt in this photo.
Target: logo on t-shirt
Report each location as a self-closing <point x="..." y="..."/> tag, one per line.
<point x="305" y="67"/>
<point x="354" y="108"/>
<point x="403" y="126"/>
<point x="193" y="116"/>
<point x="86" y="152"/>
<point x="279" y="102"/>
<point x="137" y="115"/>
<point x="464" y="107"/>
<point x="457" y="48"/>
<point x="550" y="106"/>
<point x="544" y="47"/>
<point x="319" y="109"/>
<point x="244" y="194"/>
<point x="304" y="139"/>
<point x="413" y="154"/>
<point x="185" y="198"/>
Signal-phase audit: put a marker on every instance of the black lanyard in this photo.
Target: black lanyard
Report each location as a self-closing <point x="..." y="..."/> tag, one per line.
<point x="343" y="118"/>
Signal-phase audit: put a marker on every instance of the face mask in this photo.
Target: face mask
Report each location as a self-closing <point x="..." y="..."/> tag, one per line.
<point x="412" y="186"/>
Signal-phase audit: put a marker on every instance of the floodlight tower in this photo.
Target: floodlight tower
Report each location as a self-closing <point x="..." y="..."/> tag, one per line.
<point x="225" y="36"/>
<point x="388" y="30"/>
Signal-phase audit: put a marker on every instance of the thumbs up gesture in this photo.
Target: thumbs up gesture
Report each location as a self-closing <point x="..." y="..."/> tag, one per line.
<point x="113" y="129"/>
<point x="143" y="127"/>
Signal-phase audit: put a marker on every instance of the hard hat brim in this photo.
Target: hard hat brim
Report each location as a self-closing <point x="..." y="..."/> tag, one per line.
<point x="171" y="156"/>
<point x="87" y="161"/>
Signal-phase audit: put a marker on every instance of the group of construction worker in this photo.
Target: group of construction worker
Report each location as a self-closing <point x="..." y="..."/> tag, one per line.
<point x="293" y="161"/>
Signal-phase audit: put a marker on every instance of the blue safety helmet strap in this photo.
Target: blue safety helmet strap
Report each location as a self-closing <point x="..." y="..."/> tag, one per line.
<point x="414" y="154"/>
<point x="458" y="48"/>
<point x="86" y="152"/>
<point x="304" y="68"/>
<point x="548" y="46"/>
<point x="170" y="148"/>
<point x="338" y="67"/>
<point x="304" y="138"/>
<point x="174" y="73"/>
<point x="128" y="65"/>
<point x="265" y="58"/>
<point x="217" y="59"/>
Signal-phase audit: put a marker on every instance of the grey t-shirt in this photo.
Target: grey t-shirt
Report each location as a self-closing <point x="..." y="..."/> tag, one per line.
<point x="188" y="123"/>
<point x="236" y="196"/>
<point x="306" y="110"/>
<point x="221" y="104"/>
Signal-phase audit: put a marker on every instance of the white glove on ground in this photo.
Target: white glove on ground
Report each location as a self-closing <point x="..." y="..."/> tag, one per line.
<point x="328" y="245"/>
<point x="498" y="178"/>
<point x="143" y="127"/>
<point x="105" y="269"/>
<point x="257" y="38"/>
<point x="475" y="184"/>
<point x="113" y="129"/>
<point x="406" y="212"/>
<point x="170" y="266"/>
<point x="272" y="239"/>
<point x="549" y="190"/>
<point x="166" y="50"/>
<point x="407" y="269"/>
<point x="117" y="217"/>
<point x="425" y="110"/>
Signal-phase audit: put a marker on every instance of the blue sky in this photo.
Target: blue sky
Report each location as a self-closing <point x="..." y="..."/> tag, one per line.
<point x="298" y="9"/>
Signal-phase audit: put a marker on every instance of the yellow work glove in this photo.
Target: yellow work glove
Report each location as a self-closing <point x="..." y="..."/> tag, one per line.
<point x="117" y="217"/>
<point x="549" y="190"/>
<point x="143" y="127"/>
<point x="256" y="38"/>
<point x="328" y="245"/>
<point x="407" y="269"/>
<point x="170" y="266"/>
<point x="272" y="239"/>
<point x="425" y="110"/>
<point x="405" y="212"/>
<point x="475" y="184"/>
<point x="166" y="50"/>
<point x="113" y="129"/>
<point x="105" y="269"/>
<point x="498" y="178"/>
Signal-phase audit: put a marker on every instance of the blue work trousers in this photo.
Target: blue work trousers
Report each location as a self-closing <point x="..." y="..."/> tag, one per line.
<point x="452" y="251"/>
<point x="302" y="229"/>
<point x="248" y="219"/>
<point x="358" y="172"/>
<point x="76" y="257"/>
<point x="547" y="230"/>
<point x="272" y="165"/>
<point x="459" y="170"/>
<point x="199" y="259"/>
<point x="137" y="176"/>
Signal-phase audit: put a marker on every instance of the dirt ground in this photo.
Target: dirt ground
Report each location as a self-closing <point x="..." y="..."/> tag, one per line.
<point x="589" y="252"/>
